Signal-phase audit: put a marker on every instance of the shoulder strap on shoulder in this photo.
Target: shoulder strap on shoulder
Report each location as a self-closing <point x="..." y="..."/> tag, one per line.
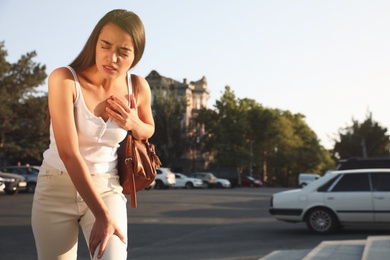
<point x="134" y="85"/>
<point x="73" y="72"/>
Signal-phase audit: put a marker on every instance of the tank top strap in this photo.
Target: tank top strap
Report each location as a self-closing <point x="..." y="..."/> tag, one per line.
<point x="129" y="86"/>
<point x="76" y="81"/>
<point x="129" y="83"/>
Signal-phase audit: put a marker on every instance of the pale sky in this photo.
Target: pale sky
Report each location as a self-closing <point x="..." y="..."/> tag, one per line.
<point x="326" y="59"/>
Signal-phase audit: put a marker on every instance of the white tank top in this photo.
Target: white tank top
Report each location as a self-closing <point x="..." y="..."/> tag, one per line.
<point x="98" y="140"/>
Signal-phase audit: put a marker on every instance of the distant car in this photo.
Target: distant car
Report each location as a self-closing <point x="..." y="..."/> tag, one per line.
<point x="28" y="172"/>
<point x="165" y="179"/>
<point x="223" y="183"/>
<point x="338" y="198"/>
<point x="208" y="178"/>
<point x="151" y="186"/>
<point x="249" y="181"/>
<point x="13" y="182"/>
<point x="2" y="185"/>
<point x="183" y="181"/>
<point x="305" y="178"/>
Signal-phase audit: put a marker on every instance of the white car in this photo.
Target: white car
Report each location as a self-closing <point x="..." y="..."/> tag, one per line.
<point x="223" y="183"/>
<point x="165" y="179"/>
<point x="183" y="181"/>
<point x="306" y="178"/>
<point x="338" y="198"/>
<point x="2" y="185"/>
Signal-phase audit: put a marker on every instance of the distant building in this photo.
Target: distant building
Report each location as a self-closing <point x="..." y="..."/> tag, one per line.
<point x="197" y="94"/>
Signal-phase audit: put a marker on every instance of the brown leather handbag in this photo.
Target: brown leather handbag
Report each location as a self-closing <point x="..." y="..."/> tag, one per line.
<point x="137" y="163"/>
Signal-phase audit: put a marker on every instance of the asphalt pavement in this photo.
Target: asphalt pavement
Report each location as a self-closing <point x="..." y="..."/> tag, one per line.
<point x="231" y="224"/>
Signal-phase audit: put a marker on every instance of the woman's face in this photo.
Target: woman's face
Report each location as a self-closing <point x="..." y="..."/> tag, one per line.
<point x="114" y="51"/>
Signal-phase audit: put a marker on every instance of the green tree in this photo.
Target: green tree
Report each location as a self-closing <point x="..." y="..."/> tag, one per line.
<point x="366" y="139"/>
<point x="267" y="143"/>
<point x="22" y="112"/>
<point x="170" y="131"/>
<point x="226" y="131"/>
<point x="301" y="151"/>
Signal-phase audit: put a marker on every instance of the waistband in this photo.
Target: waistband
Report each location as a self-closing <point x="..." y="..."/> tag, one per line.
<point x="113" y="172"/>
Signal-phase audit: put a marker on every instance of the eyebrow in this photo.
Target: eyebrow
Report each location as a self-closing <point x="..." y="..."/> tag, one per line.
<point x="122" y="48"/>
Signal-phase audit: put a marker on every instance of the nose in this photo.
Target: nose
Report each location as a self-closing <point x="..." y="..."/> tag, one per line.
<point x="114" y="57"/>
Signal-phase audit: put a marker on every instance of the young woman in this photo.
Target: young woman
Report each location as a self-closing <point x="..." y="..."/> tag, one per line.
<point x="91" y="109"/>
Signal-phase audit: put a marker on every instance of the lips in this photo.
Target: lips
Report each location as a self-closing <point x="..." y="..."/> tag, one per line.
<point x="109" y="68"/>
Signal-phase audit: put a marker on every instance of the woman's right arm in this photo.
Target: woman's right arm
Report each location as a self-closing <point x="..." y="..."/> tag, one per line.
<point x="61" y="96"/>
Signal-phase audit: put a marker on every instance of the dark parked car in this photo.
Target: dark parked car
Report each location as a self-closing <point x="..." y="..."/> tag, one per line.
<point x="364" y="163"/>
<point x="28" y="172"/>
<point x="13" y="182"/>
<point x="248" y="181"/>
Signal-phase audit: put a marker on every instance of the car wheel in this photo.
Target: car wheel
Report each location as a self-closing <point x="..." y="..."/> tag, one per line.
<point x="189" y="185"/>
<point x="159" y="185"/>
<point x="31" y="187"/>
<point x="321" y="220"/>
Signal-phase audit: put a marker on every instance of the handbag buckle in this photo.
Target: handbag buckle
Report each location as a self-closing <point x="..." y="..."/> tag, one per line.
<point x="128" y="159"/>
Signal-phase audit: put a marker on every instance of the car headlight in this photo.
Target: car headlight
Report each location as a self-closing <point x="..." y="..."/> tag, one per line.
<point x="9" y="179"/>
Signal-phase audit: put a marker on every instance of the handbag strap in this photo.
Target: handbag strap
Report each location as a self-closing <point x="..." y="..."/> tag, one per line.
<point x="130" y="168"/>
<point x="129" y="147"/>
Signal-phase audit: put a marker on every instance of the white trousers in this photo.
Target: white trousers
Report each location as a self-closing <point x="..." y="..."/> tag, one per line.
<point x="58" y="210"/>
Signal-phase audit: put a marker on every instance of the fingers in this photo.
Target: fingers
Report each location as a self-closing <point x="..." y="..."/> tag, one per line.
<point x="120" y="113"/>
<point x="120" y="235"/>
<point x="94" y="243"/>
<point x="102" y="247"/>
<point x="117" y="105"/>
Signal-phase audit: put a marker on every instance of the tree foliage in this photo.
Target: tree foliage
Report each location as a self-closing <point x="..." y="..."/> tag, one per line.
<point x="367" y="139"/>
<point x="268" y="143"/>
<point x="170" y="136"/>
<point x="22" y="135"/>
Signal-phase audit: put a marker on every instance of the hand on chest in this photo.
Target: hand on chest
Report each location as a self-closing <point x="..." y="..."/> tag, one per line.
<point x="95" y="98"/>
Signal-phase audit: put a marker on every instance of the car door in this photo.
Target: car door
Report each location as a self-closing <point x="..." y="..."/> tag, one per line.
<point x="351" y="198"/>
<point x="179" y="180"/>
<point x="381" y="196"/>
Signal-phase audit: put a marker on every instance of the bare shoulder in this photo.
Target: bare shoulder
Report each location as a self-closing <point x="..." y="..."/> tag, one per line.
<point x="62" y="80"/>
<point x="141" y="82"/>
<point x="142" y="88"/>
<point x="61" y="73"/>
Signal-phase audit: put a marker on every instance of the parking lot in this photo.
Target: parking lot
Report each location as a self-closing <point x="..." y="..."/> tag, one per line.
<point x="185" y="224"/>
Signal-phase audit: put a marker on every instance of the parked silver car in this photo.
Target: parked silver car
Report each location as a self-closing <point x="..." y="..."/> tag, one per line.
<point x="13" y="182"/>
<point x="28" y="172"/>
<point x="209" y="179"/>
